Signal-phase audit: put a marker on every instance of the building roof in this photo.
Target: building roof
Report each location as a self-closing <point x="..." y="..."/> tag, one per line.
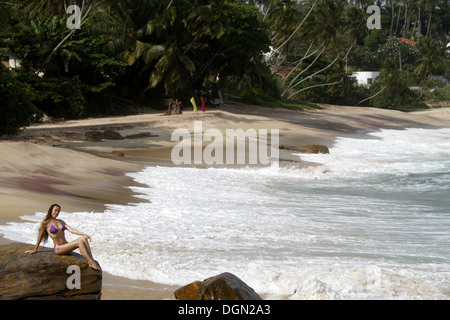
<point x="407" y="41"/>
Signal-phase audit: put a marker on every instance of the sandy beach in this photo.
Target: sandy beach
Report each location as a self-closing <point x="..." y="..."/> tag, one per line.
<point x="51" y="163"/>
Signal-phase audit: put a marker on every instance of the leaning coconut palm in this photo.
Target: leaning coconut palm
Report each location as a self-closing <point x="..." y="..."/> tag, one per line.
<point x="322" y="28"/>
<point x="286" y="18"/>
<point x="329" y="35"/>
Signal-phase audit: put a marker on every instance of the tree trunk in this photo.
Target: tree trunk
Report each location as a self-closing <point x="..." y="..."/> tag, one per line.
<point x="428" y="35"/>
<point x="382" y="89"/>
<point x="312" y="75"/>
<point x="291" y="84"/>
<point x="392" y="17"/>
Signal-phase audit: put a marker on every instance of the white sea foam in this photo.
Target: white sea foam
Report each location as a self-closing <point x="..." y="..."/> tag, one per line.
<point x="408" y="151"/>
<point x="370" y="221"/>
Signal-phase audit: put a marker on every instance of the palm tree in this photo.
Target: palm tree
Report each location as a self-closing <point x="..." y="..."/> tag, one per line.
<point x="266" y="6"/>
<point x="177" y="44"/>
<point x="128" y="27"/>
<point x="209" y="19"/>
<point x="176" y="69"/>
<point x="84" y="13"/>
<point x="431" y="58"/>
<point x="287" y="19"/>
<point x="335" y="28"/>
<point x="323" y="27"/>
<point x="284" y="17"/>
<point x="200" y="45"/>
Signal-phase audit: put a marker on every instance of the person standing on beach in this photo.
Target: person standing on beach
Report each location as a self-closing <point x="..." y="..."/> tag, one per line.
<point x="55" y="229"/>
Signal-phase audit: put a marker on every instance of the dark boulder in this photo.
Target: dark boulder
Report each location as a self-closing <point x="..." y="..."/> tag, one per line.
<point x="141" y="135"/>
<point x="97" y="136"/>
<point x="46" y="276"/>
<point x="312" y="148"/>
<point x="93" y="136"/>
<point x="112" y="135"/>
<point x="225" y="286"/>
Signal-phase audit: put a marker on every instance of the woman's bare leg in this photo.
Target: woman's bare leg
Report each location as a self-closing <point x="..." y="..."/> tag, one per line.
<point x="85" y="250"/>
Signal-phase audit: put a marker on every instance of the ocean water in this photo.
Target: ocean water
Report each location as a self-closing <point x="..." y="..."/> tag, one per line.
<point x="371" y="220"/>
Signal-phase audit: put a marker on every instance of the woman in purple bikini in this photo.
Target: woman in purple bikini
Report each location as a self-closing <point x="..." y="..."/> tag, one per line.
<point x="55" y="229"/>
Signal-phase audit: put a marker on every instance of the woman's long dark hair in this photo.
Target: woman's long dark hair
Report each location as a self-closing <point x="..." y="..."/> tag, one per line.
<point x="44" y="222"/>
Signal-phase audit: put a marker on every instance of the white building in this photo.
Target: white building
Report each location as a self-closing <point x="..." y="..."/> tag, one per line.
<point x="365" y="78"/>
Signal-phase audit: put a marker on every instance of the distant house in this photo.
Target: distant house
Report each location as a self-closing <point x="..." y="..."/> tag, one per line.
<point x="10" y="61"/>
<point x="365" y="78"/>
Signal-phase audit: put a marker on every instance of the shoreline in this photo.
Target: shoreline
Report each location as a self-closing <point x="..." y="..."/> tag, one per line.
<point x="96" y="178"/>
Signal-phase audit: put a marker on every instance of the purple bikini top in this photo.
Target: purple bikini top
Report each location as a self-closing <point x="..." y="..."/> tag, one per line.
<point x="53" y="229"/>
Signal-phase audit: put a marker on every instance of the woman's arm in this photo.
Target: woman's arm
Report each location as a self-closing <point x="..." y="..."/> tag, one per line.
<point x="75" y="231"/>
<point x="41" y="235"/>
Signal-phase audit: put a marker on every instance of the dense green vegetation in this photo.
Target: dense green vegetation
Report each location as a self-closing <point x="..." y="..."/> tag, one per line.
<point x="133" y="53"/>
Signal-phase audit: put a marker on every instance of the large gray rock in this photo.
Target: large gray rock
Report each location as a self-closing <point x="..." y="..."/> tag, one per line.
<point x="45" y="276"/>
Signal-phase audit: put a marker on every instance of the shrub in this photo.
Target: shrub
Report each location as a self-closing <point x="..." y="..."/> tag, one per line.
<point x="440" y="94"/>
<point x="16" y="107"/>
